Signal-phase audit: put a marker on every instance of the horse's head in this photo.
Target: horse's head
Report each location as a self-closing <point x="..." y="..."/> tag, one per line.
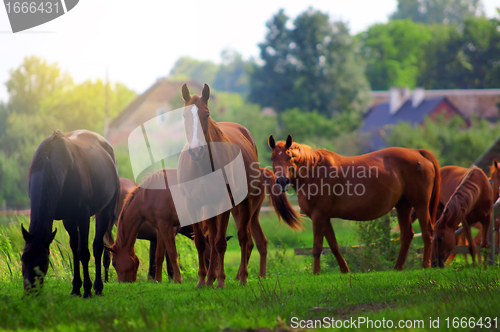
<point x="125" y="263"/>
<point x="444" y="240"/>
<point x="35" y="258"/>
<point x="196" y="120"/>
<point x="282" y="160"/>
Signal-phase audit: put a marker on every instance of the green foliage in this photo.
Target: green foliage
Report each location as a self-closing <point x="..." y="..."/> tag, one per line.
<point x="42" y="99"/>
<point x="200" y="71"/>
<point x="450" y="140"/>
<point x="463" y="59"/>
<point x="393" y="53"/>
<point x="312" y="66"/>
<point x="438" y="11"/>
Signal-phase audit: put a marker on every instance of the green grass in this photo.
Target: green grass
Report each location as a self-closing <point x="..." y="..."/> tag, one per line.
<point x="290" y="290"/>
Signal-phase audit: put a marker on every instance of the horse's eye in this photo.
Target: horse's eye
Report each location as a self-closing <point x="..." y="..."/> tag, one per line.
<point x="208" y="115"/>
<point x="288" y="158"/>
<point x="272" y="159"/>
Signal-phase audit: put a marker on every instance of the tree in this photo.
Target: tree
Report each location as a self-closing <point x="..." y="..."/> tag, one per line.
<point x="32" y="81"/>
<point x="312" y="65"/>
<point x="438" y="11"/>
<point x="468" y="58"/>
<point x="232" y="74"/>
<point x="394" y="52"/>
<point x="189" y="68"/>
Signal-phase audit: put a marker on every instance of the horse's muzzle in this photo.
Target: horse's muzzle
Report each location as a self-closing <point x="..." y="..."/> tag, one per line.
<point x="196" y="153"/>
<point x="283" y="182"/>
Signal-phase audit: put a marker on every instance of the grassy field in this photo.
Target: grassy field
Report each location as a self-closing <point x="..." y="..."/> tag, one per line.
<point x="289" y="293"/>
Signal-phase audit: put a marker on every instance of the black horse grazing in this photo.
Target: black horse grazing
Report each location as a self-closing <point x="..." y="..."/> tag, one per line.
<point x="72" y="177"/>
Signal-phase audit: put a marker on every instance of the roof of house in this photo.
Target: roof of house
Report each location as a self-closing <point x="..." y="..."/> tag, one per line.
<point x="379" y="115"/>
<point x="471" y="102"/>
<point x="486" y="159"/>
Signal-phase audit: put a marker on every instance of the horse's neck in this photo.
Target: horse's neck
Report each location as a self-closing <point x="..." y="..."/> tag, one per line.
<point x="129" y="223"/>
<point x="215" y="133"/>
<point x="45" y="193"/>
<point x="496" y="190"/>
<point x="312" y="161"/>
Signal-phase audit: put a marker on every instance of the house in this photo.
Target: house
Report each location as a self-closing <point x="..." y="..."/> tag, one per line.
<point x="163" y="96"/>
<point x="404" y="106"/>
<point x="482" y="103"/>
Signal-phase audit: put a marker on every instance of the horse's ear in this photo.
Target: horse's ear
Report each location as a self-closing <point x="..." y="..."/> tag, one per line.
<point x="271" y="142"/>
<point x="109" y="249"/>
<point x="205" y="94"/>
<point x="51" y="238"/>
<point x="495" y="163"/>
<point x="26" y="235"/>
<point x="289" y="141"/>
<point x="186" y="95"/>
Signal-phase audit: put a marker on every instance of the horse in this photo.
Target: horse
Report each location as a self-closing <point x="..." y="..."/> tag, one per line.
<point x="155" y="208"/>
<point x="146" y="232"/>
<point x="72" y="177"/>
<point x="226" y="142"/>
<point x="461" y="240"/>
<point x="360" y="188"/>
<point x="470" y="201"/>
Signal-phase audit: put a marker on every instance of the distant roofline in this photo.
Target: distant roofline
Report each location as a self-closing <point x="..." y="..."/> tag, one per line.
<point x="447" y="92"/>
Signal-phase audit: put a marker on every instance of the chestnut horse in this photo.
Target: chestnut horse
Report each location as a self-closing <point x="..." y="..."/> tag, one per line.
<point x="222" y="140"/>
<point x="360" y="188"/>
<point x="470" y="201"/>
<point x="72" y="177"/>
<point x="461" y="240"/>
<point x="146" y="232"/>
<point x="153" y="207"/>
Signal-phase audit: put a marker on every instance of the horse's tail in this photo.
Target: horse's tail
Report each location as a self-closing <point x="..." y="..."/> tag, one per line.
<point x="279" y="201"/>
<point x="434" y="202"/>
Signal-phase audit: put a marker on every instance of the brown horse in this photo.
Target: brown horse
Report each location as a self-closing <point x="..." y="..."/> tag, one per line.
<point x="461" y="239"/>
<point x="470" y="201"/>
<point x="146" y="232"/>
<point x="152" y="207"/>
<point x="360" y="188"/>
<point x="72" y="177"/>
<point x="225" y="142"/>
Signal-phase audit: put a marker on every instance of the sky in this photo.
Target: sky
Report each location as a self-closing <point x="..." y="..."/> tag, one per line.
<point x="137" y="42"/>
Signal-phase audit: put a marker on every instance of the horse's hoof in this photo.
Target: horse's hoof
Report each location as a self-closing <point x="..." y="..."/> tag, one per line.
<point x="75" y="294"/>
<point x="237" y="277"/>
<point x="344" y="270"/>
<point x="221" y="285"/>
<point x="200" y="284"/>
<point x="243" y="282"/>
<point x="98" y="293"/>
<point x="87" y="295"/>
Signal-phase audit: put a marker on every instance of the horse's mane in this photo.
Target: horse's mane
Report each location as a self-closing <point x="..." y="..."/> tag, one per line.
<point x="493" y="176"/>
<point x="308" y="154"/>
<point x="464" y="195"/>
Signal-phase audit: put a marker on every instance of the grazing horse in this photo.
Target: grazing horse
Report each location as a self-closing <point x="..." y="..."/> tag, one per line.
<point x="146" y="232"/>
<point x="155" y="208"/>
<point x="72" y="177"/>
<point x="470" y="201"/>
<point x="225" y="142"/>
<point x="461" y="240"/>
<point x="360" y="188"/>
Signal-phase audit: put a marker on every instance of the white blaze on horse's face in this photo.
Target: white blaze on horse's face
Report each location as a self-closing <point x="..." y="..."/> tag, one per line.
<point x="194" y="140"/>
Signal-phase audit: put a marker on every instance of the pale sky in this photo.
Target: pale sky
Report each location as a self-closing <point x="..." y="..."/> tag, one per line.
<point x="139" y="41"/>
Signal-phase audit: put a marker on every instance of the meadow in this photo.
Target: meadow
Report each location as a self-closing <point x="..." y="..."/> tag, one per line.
<point x="288" y="294"/>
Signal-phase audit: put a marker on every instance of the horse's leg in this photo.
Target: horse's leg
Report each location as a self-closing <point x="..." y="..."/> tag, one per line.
<point x="220" y="248"/>
<point x="334" y="246"/>
<point x="244" y="215"/>
<point x="212" y="233"/>
<point x="260" y="241"/>
<point x="470" y="239"/>
<point x="485" y="223"/>
<point x="200" y="242"/>
<point x="159" y="254"/>
<point x="318" y="224"/>
<point x="84" y="253"/>
<point x="102" y="221"/>
<point x="106" y="259"/>
<point x="152" y="259"/>
<point x="168" y="239"/>
<point x="72" y="229"/>
<point x="170" y="269"/>
<point x="403" y="209"/>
